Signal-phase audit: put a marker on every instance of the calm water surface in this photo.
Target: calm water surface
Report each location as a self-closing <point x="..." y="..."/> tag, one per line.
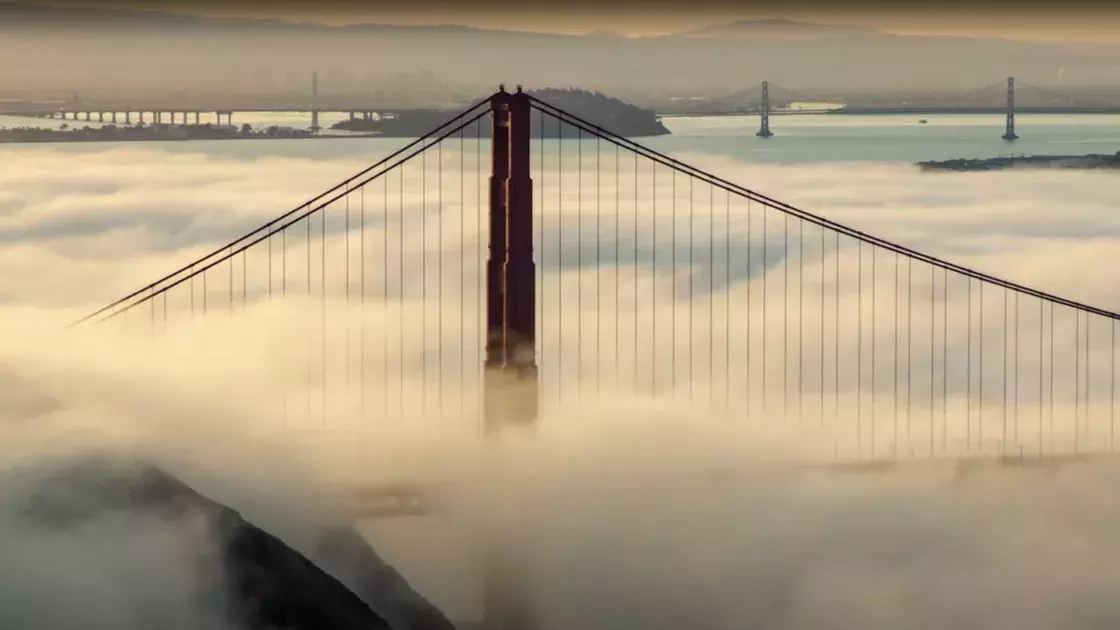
<point x="888" y="138"/>
<point x="798" y="139"/>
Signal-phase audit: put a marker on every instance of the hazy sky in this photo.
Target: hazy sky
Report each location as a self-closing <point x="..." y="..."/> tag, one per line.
<point x="1077" y="21"/>
<point x="81" y="223"/>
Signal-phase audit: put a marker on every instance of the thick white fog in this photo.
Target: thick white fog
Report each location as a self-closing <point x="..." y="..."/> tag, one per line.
<point x="613" y="497"/>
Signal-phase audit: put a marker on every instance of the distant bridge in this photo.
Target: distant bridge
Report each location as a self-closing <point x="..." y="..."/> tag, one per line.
<point x="184" y="115"/>
<point x="1002" y="98"/>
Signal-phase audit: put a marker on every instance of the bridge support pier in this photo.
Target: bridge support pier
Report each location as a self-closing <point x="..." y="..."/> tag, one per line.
<point x="1009" y="130"/>
<point x="764" y="127"/>
<point x="314" y="120"/>
<point x="510" y="372"/>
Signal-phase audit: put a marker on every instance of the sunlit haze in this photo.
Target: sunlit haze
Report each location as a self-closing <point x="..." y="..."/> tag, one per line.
<point x="1078" y="22"/>
<point x="780" y="316"/>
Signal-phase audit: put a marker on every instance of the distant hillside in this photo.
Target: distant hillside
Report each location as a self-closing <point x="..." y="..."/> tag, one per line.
<point x="605" y="111"/>
<point x="122" y="54"/>
<point x="597" y="108"/>
<point x="777" y="28"/>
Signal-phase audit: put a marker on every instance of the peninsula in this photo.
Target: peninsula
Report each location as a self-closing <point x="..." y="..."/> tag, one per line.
<point x="154" y="132"/>
<point x="1092" y="161"/>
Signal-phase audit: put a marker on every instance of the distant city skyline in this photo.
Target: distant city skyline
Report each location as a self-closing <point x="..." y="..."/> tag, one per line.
<point x="1071" y="22"/>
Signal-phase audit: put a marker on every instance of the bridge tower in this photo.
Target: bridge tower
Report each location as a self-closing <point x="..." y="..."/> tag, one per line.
<point x="1009" y="132"/>
<point x="510" y="272"/>
<point x="314" y="100"/>
<point x="510" y="370"/>
<point x="764" y="129"/>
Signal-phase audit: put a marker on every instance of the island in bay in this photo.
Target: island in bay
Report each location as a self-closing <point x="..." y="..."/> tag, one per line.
<point x="1084" y="162"/>
<point x="621" y="118"/>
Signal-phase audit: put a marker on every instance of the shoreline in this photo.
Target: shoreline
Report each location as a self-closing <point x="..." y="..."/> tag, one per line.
<point x="119" y="140"/>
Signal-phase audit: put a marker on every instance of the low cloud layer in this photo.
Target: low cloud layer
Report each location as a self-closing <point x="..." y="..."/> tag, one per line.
<point x="632" y="509"/>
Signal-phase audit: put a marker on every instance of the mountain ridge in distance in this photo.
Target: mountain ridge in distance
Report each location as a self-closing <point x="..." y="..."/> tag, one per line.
<point x="17" y="12"/>
<point x="146" y="52"/>
<point x="778" y="27"/>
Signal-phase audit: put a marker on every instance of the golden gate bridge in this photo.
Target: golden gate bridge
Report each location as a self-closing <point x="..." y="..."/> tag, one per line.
<point x="470" y="283"/>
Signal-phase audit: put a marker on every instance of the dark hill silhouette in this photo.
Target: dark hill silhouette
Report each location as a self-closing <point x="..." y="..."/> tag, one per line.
<point x="608" y="112"/>
<point x="246" y="575"/>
